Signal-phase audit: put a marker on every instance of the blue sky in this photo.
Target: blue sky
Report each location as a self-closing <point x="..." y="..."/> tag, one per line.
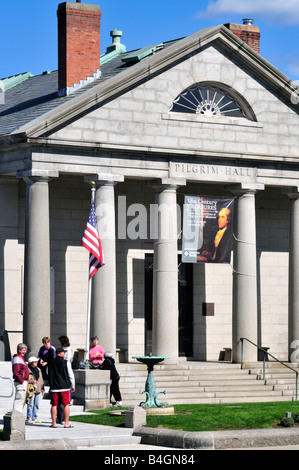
<point x="28" y="28"/>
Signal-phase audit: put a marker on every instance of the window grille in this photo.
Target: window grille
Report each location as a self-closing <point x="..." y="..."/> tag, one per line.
<point x="208" y="101"/>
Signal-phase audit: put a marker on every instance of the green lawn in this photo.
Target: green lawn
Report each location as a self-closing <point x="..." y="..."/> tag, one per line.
<point x="206" y="417"/>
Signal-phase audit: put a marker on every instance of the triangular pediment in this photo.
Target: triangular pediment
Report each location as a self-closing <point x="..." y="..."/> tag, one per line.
<point x="71" y="108"/>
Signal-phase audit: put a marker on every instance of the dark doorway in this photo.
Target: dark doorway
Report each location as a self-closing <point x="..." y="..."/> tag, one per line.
<point x="185" y="304"/>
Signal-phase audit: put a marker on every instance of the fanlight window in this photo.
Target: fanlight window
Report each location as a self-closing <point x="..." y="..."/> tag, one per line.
<point x="208" y="101"/>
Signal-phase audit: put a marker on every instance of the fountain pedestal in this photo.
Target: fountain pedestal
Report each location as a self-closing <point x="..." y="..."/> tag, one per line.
<point x="152" y="404"/>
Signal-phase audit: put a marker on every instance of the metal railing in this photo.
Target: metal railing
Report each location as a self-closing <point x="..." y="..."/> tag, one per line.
<point x="266" y="353"/>
<point x="12" y="387"/>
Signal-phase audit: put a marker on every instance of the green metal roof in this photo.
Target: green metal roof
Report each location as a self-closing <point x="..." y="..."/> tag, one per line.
<point x="10" y="82"/>
<point x="139" y="54"/>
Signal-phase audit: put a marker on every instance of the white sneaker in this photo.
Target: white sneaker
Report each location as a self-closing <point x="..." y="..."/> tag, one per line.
<point x="118" y="403"/>
<point x="36" y="421"/>
<point x="29" y="421"/>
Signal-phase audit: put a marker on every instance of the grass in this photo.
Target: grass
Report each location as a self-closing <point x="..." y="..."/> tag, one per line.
<point x="206" y="417"/>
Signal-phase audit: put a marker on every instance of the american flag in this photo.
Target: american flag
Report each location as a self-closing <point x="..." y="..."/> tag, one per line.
<point x="91" y="241"/>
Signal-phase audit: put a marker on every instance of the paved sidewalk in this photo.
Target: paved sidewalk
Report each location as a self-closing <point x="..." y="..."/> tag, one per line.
<point x="95" y="437"/>
<point x="82" y="434"/>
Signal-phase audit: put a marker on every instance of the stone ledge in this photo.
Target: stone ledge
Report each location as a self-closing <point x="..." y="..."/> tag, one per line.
<point x="172" y="438"/>
<point x="39" y="444"/>
<point x="218" y="440"/>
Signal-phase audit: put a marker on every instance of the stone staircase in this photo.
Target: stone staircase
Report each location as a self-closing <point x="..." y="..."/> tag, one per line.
<point x="204" y="382"/>
<point x="188" y="382"/>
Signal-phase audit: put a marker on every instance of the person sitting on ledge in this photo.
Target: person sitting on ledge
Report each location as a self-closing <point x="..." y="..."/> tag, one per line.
<point x="96" y="353"/>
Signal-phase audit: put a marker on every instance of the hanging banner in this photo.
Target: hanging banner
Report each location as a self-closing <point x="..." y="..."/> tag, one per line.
<point x="207" y="230"/>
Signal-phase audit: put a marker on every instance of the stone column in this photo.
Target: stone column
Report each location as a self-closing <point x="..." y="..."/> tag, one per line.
<point x="10" y="282"/>
<point x="293" y="275"/>
<point x="36" y="322"/>
<point x="245" y="277"/>
<point x="165" y="275"/>
<point x="103" y="304"/>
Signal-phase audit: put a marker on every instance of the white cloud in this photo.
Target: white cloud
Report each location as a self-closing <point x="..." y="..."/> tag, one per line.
<point x="286" y="12"/>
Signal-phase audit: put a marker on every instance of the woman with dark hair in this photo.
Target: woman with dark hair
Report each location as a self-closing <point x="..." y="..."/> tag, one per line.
<point x="46" y="353"/>
<point x="65" y="344"/>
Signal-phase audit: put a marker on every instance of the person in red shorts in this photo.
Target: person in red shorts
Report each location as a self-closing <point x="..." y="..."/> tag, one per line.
<point x="62" y="381"/>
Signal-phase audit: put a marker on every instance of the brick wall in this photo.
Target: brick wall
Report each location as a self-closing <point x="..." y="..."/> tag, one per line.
<point x="249" y="34"/>
<point x="78" y="42"/>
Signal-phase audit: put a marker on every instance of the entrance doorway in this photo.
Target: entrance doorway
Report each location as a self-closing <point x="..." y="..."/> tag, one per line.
<point x="185" y="305"/>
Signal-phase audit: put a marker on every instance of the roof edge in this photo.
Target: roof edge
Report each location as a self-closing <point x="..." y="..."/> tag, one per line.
<point x="143" y="70"/>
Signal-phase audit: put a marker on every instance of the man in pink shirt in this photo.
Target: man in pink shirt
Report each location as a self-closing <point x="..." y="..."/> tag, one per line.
<point x="96" y="352"/>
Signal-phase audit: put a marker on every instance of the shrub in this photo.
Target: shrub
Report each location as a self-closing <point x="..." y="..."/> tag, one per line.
<point x="287" y="422"/>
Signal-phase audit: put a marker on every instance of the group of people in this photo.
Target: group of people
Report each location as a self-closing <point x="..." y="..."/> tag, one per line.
<point x="53" y="367"/>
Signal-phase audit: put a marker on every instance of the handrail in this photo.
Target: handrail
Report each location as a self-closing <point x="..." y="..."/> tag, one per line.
<point x="264" y="365"/>
<point x="12" y="388"/>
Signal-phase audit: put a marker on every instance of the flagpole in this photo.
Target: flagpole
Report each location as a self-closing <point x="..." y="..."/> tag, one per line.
<point x="89" y="298"/>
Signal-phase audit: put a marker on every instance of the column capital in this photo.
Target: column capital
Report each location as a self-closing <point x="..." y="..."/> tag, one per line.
<point x="35" y="175"/>
<point x="292" y="193"/>
<point x="172" y="184"/>
<point x="246" y="188"/>
<point x="104" y="178"/>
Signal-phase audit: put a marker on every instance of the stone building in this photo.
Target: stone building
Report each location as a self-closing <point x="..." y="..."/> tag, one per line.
<point x="205" y="115"/>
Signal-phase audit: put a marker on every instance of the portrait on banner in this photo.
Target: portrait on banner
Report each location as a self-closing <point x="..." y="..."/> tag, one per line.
<point x="207" y="229"/>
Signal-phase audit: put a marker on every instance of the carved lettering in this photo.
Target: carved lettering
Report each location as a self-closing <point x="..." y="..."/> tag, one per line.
<point x="221" y="171"/>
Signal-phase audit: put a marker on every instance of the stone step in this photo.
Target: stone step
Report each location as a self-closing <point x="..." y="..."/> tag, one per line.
<point x="183" y="371"/>
<point x="222" y="383"/>
<point x="233" y="400"/>
<point x="174" y="397"/>
<point x="283" y="387"/>
<point x="272" y="366"/>
<point x="280" y="382"/>
<point x="214" y="400"/>
<point x="185" y="379"/>
<point x="219" y="396"/>
<point x="191" y="382"/>
<point x="272" y="371"/>
<point x="221" y="388"/>
<point x="187" y="365"/>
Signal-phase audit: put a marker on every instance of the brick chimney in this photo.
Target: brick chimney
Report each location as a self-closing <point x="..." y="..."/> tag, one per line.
<point x="78" y="45"/>
<point x="247" y="32"/>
